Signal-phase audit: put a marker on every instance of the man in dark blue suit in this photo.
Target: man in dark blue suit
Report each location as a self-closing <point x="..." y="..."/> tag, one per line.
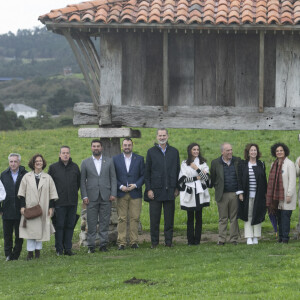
<point x="130" y="177"/>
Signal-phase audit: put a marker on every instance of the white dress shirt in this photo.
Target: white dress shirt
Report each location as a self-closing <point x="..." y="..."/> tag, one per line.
<point x="98" y="163"/>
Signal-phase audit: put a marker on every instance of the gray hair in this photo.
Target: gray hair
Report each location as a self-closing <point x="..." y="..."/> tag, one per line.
<point x="14" y="154"/>
<point x="163" y="129"/>
<point x="222" y="146"/>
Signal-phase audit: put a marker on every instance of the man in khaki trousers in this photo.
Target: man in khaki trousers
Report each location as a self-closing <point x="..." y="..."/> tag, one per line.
<point x="130" y="178"/>
<point x="224" y="178"/>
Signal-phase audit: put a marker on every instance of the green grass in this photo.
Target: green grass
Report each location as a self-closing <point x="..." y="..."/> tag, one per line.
<point x="266" y="271"/>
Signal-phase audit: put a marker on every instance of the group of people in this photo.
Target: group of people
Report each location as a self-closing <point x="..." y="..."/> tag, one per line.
<point x="29" y="200"/>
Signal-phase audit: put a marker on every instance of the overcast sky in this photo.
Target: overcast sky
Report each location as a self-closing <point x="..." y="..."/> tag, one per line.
<point x="23" y="14"/>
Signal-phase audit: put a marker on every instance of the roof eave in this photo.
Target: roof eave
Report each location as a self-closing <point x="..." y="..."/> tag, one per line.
<point x="92" y="27"/>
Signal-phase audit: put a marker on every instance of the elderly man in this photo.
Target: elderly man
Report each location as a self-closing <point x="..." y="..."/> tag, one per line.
<point x="224" y="178"/>
<point x="66" y="176"/>
<point x="98" y="189"/>
<point x="11" y="206"/>
<point x="161" y="180"/>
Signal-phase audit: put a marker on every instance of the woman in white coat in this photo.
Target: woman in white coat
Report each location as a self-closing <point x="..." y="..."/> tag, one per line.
<point x="194" y="195"/>
<point x="281" y="190"/>
<point x="36" y="188"/>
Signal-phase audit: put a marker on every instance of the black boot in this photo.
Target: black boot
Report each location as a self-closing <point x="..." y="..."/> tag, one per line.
<point x="37" y="253"/>
<point x="30" y="255"/>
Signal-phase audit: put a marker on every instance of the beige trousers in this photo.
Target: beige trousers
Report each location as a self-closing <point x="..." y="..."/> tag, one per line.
<point x="251" y="230"/>
<point x="128" y="208"/>
<point x="228" y="209"/>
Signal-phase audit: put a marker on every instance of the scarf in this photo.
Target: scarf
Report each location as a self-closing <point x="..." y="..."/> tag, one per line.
<point x="275" y="191"/>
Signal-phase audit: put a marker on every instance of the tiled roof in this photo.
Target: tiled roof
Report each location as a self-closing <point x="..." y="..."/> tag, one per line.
<point x="226" y="12"/>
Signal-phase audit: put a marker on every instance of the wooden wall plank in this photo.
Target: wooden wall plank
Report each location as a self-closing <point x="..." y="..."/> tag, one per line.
<point x="225" y="70"/>
<point x="270" y="70"/>
<point x="110" y="68"/>
<point x="134" y="69"/>
<point x="181" y="68"/>
<point x="205" y="69"/>
<point x="288" y="71"/>
<point x="153" y="82"/>
<point x="246" y="66"/>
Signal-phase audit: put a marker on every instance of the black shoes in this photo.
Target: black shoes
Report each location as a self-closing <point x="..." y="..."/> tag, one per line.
<point x="91" y="250"/>
<point x="134" y="246"/>
<point x="69" y="253"/>
<point x="29" y="255"/>
<point x="121" y="247"/>
<point x="59" y="253"/>
<point x="154" y="246"/>
<point x="220" y="244"/>
<point x="103" y="249"/>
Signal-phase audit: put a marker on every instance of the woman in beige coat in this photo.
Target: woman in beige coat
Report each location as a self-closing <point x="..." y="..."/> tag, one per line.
<point x="281" y="190"/>
<point x="36" y="188"/>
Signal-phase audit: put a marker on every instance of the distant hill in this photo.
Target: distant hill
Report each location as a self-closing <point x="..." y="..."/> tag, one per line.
<point x="36" y="52"/>
<point x="38" y="57"/>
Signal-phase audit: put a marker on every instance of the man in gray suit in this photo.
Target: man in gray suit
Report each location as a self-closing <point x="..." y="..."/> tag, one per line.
<point x="98" y="189"/>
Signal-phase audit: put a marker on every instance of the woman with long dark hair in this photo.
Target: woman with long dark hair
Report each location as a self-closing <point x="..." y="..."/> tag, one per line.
<point x="194" y="195"/>
<point x="253" y="182"/>
<point x="281" y="191"/>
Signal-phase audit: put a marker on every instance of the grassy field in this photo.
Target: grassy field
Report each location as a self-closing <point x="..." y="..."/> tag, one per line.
<point x="265" y="271"/>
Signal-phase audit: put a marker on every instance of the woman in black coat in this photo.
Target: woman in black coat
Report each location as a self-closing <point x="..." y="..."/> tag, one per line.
<point x="253" y="183"/>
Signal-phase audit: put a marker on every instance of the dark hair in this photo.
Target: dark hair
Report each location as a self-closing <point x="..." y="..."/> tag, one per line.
<point x="127" y="139"/>
<point x="33" y="159"/>
<point x="64" y="147"/>
<point x="284" y="146"/>
<point x="96" y="141"/>
<point x="190" y="158"/>
<point x="247" y="149"/>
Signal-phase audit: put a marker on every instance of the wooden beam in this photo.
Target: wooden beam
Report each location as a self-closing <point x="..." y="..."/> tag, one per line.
<point x="261" y="71"/>
<point x="82" y="66"/>
<point x="108" y="133"/>
<point x="165" y="70"/>
<point x="202" y="117"/>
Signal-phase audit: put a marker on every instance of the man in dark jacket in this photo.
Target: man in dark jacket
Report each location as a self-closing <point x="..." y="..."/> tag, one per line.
<point x="10" y="207"/>
<point x="161" y="180"/>
<point x="224" y="178"/>
<point x="66" y="176"/>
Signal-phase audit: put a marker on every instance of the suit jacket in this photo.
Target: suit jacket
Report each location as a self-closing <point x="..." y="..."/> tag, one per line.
<point x="217" y="175"/>
<point x="161" y="173"/>
<point x="135" y="174"/>
<point x="92" y="185"/>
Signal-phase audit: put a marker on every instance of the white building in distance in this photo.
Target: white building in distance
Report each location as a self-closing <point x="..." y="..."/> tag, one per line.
<point x="22" y="110"/>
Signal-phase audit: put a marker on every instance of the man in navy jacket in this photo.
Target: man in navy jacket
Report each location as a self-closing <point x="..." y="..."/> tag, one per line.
<point x="130" y="177"/>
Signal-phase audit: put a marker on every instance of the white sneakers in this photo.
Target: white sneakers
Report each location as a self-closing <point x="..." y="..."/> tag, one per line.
<point x="251" y="241"/>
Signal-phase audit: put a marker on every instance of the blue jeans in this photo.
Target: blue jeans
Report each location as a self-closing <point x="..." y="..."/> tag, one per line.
<point x="284" y="221"/>
<point x="65" y="222"/>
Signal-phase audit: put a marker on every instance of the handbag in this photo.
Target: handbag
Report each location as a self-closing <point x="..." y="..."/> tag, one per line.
<point x="33" y="212"/>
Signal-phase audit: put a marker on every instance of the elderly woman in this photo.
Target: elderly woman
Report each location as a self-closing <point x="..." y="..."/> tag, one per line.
<point x="36" y="188"/>
<point x="253" y="182"/>
<point x="281" y="191"/>
<point x="194" y="195"/>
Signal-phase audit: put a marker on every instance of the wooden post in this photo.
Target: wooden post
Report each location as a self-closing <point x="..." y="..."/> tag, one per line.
<point x="165" y="71"/>
<point x="261" y="71"/>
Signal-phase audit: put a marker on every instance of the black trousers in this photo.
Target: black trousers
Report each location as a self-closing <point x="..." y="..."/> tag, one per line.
<point x="194" y="230"/>
<point x="65" y="222"/>
<point x="284" y="221"/>
<point x="9" y="226"/>
<point x="155" y="214"/>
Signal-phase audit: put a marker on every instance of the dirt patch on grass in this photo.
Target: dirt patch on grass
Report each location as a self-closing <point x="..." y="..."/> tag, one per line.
<point x="134" y="280"/>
